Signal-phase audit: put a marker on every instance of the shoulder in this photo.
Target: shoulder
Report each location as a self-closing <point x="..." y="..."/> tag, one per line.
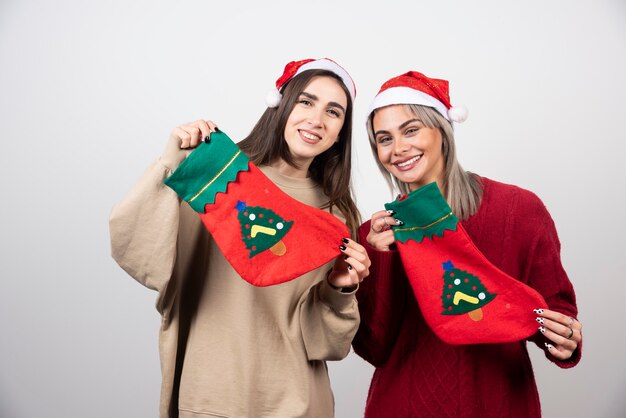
<point x="512" y="198"/>
<point x="509" y="209"/>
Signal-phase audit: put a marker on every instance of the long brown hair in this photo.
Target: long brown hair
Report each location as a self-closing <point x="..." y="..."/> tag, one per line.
<point x="463" y="189"/>
<point x="331" y="170"/>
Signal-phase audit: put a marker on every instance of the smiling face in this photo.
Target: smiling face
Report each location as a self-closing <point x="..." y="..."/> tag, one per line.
<point x="316" y="120"/>
<point x="406" y="148"/>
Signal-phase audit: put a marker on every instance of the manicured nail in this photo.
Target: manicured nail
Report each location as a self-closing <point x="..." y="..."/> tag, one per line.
<point x="342" y="247"/>
<point x="217" y="129"/>
<point x="549" y="346"/>
<point x="207" y="139"/>
<point x="540" y="320"/>
<point x="390" y="211"/>
<point x="346" y="240"/>
<point x="345" y="257"/>
<point x="538" y="311"/>
<point x="399" y="222"/>
<point x="349" y="267"/>
<point x="542" y="329"/>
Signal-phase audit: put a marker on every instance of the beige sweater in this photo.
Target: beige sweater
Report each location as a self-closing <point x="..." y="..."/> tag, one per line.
<point x="227" y="348"/>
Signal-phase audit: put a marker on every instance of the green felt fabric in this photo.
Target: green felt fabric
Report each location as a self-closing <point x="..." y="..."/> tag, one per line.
<point x="207" y="171"/>
<point x="424" y="212"/>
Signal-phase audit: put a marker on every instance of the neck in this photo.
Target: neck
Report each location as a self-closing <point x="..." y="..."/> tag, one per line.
<point x="302" y="171"/>
<point x="439" y="182"/>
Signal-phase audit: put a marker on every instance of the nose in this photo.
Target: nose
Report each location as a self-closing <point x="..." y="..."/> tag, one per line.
<point x="315" y="118"/>
<point x="400" y="146"/>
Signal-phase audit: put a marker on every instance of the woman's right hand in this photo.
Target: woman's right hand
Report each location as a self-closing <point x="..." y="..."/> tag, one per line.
<point x="380" y="235"/>
<point x="186" y="137"/>
<point x="189" y="136"/>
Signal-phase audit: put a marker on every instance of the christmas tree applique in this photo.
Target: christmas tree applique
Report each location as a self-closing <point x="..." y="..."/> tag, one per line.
<point x="463" y="293"/>
<point x="262" y="229"/>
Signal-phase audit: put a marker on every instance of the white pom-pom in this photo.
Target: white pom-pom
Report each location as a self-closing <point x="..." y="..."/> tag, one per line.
<point x="458" y="114"/>
<point x="273" y="98"/>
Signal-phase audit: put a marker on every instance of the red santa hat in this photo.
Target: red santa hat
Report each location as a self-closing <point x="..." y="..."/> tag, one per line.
<point x="416" y="88"/>
<point x="296" y="67"/>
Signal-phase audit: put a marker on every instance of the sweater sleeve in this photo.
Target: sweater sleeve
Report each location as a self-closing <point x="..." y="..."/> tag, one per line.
<point x="382" y="303"/>
<point x="145" y="228"/>
<point x="546" y="274"/>
<point x="328" y="320"/>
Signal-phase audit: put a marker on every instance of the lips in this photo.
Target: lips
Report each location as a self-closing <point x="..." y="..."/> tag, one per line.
<point x="309" y="137"/>
<point x="408" y="163"/>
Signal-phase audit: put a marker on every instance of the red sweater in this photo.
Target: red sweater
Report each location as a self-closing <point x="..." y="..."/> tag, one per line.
<point x="417" y="374"/>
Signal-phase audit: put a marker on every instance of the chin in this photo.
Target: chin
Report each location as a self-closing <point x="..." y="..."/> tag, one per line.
<point x="403" y="177"/>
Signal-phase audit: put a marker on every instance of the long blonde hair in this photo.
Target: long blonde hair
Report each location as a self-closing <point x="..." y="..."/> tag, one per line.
<point x="463" y="189"/>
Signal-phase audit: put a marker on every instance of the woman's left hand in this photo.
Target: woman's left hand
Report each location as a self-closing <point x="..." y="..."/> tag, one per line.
<point x="562" y="330"/>
<point x="351" y="268"/>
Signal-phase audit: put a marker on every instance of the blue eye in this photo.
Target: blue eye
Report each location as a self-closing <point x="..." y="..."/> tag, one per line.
<point x="383" y="139"/>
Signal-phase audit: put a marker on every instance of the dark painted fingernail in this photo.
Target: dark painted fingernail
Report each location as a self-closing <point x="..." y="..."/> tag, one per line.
<point x="207" y="139"/>
<point x="346" y="240"/>
<point x="349" y="267"/>
<point x="342" y="247"/>
<point x="217" y="129"/>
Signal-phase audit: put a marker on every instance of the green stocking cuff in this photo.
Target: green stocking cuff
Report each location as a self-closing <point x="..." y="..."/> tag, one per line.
<point x="207" y="171"/>
<point x="424" y="212"/>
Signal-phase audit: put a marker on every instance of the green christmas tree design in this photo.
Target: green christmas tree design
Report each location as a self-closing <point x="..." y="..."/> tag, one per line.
<point x="262" y="229"/>
<point x="463" y="293"/>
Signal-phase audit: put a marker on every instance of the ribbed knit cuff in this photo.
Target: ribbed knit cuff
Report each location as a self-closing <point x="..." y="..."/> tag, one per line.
<point x="336" y="299"/>
<point x="173" y="155"/>
<point x="381" y="260"/>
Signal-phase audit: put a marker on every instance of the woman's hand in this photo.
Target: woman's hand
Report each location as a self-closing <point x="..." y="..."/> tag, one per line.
<point x="564" y="331"/>
<point x="191" y="134"/>
<point x="187" y="137"/>
<point x="380" y="235"/>
<point x="351" y="268"/>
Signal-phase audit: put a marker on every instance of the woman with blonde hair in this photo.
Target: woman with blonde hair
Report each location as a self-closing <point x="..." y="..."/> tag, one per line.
<point x="418" y="374"/>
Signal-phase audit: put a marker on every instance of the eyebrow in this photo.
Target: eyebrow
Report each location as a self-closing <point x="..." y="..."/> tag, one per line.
<point x="314" y="97"/>
<point x="402" y="126"/>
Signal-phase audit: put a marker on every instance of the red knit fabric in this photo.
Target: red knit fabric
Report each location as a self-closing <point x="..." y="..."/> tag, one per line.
<point x="417" y="374"/>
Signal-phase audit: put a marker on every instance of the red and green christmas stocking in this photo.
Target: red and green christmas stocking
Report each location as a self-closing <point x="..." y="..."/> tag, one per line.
<point x="464" y="298"/>
<point x="267" y="236"/>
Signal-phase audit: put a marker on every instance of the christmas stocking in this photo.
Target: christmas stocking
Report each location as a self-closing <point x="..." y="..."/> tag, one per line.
<point x="464" y="298"/>
<point x="267" y="236"/>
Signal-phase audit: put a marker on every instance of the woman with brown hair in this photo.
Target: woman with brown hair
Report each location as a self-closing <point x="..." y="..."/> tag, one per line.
<point x="229" y="348"/>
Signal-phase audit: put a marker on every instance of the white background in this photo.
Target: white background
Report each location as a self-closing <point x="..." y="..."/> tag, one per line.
<point x="89" y="92"/>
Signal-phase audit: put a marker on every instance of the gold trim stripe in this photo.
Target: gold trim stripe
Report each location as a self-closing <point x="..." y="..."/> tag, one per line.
<point x="423" y="227"/>
<point x="216" y="176"/>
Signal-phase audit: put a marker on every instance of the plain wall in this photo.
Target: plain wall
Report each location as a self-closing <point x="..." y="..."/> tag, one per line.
<point x="89" y="92"/>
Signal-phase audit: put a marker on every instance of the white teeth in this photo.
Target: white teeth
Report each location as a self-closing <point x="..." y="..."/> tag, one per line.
<point x="411" y="161"/>
<point x="309" y="136"/>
